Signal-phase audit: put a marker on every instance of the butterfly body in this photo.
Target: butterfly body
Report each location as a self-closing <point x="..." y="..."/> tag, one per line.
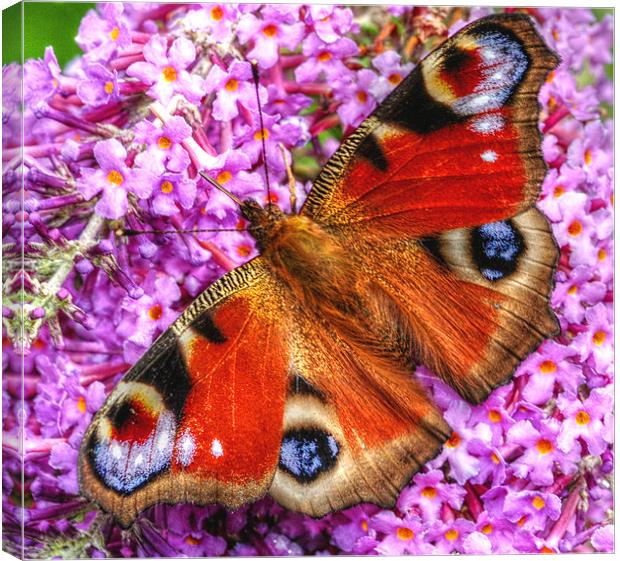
<point x="418" y="244"/>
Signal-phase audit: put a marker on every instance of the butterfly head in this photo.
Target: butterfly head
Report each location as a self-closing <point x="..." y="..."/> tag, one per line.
<point x="263" y="220"/>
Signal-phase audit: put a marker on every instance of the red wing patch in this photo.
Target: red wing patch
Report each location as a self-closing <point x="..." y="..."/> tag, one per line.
<point x="232" y="419"/>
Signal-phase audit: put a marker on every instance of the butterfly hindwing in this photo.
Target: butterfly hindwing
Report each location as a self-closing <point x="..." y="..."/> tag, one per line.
<point x="199" y="417"/>
<point x="356" y="427"/>
<point x="455" y="145"/>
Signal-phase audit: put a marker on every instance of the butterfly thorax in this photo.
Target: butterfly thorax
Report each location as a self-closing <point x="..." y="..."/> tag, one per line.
<point x="311" y="261"/>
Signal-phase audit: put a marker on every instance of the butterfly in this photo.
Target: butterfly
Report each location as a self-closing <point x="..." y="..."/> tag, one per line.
<point x="419" y="243"/>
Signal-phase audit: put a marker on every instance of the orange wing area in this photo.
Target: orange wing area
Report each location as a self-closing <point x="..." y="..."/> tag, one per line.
<point x="470" y="331"/>
<point x="199" y="418"/>
<point x="455" y="145"/>
<point x="361" y="432"/>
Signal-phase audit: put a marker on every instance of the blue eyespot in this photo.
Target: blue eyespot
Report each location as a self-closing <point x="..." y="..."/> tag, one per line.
<point x="306" y="453"/>
<point x="496" y="249"/>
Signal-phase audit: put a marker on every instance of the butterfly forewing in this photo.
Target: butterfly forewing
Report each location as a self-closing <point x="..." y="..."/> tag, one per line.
<point x="455" y="145"/>
<point x="199" y="417"/>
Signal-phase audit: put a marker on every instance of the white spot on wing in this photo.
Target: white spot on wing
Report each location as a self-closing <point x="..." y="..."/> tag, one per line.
<point x="488" y="124"/>
<point x="186" y="448"/>
<point x="216" y="448"/>
<point x="489" y="156"/>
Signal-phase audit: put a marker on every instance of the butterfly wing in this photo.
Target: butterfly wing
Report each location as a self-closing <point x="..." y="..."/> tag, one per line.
<point x="199" y="417"/>
<point x="434" y="192"/>
<point x="356" y="428"/>
<point x="455" y="145"/>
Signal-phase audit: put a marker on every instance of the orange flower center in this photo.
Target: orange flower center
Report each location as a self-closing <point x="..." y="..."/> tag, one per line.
<point x="264" y="133"/>
<point x="575" y="228"/>
<point x="155" y="312"/>
<point x="451" y="535"/>
<point x="545" y="549"/>
<point x="324" y="56"/>
<point x="243" y="250"/>
<point x="272" y="198"/>
<point x="404" y="534"/>
<point x="362" y="97"/>
<point x="454" y="440"/>
<point x="270" y="30"/>
<point x="599" y="338"/>
<point x="494" y="458"/>
<point x="572" y="290"/>
<point x="602" y="254"/>
<point x="429" y="492"/>
<point x="217" y="13"/>
<point x="115" y="177"/>
<point x="538" y="502"/>
<point x="232" y="85"/>
<point x="522" y="520"/>
<point x="558" y="191"/>
<point x="167" y="187"/>
<point x="548" y="367"/>
<point x="365" y="525"/>
<point x="191" y="540"/>
<point x="170" y="74"/>
<point x="587" y="157"/>
<point x="224" y="177"/>
<point x="164" y="142"/>
<point x="487" y="529"/>
<point x="544" y="446"/>
<point x="115" y="33"/>
<point x="582" y="417"/>
<point x="495" y="416"/>
<point x="81" y="404"/>
<point x="395" y="78"/>
<point x="108" y="87"/>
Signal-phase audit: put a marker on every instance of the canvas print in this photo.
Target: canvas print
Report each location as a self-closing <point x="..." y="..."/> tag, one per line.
<point x="307" y="280"/>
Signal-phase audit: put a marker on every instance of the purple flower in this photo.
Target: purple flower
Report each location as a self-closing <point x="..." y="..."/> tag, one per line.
<point x="585" y="420"/>
<point x="114" y="180"/>
<point x="603" y="538"/>
<point x="429" y="493"/>
<point x="42" y="78"/>
<point x="540" y="452"/>
<point x="547" y="367"/>
<point x="100" y="87"/>
<point x="164" y="143"/>
<point x="463" y="464"/>
<point x="102" y="34"/>
<point x="276" y="28"/>
<point x="325" y="58"/>
<point x="402" y="535"/>
<point x="357" y="101"/>
<point x="165" y="70"/>
<point x="233" y="87"/>
<point x="532" y="509"/>
<point x="215" y="19"/>
<point x="391" y="73"/>
<point x="330" y="23"/>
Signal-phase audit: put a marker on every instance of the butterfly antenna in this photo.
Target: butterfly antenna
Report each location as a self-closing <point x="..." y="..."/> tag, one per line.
<point x="262" y="127"/>
<point x="131" y="232"/>
<point x="221" y="188"/>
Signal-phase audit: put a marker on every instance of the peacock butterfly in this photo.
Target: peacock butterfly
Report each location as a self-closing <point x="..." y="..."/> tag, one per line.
<point x="419" y="243"/>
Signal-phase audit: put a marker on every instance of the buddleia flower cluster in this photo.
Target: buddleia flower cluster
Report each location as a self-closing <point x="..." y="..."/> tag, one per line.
<point x="111" y="148"/>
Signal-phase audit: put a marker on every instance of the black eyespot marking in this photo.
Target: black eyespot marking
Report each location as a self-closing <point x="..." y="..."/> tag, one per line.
<point x="120" y="412"/>
<point x="306" y="453"/>
<point x="432" y="245"/>
<point x="299" y="386"/>
<point x="165" y="370"/>
<point x="207" y="328"/>
<point x="496" y="249"/>
<point x="410" y="106"/>
<point x="454" y="59"/>
<point x="370" y="149"/>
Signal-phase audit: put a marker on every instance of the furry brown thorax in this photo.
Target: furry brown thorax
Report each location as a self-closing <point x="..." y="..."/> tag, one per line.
<point x="309" y="259"/>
